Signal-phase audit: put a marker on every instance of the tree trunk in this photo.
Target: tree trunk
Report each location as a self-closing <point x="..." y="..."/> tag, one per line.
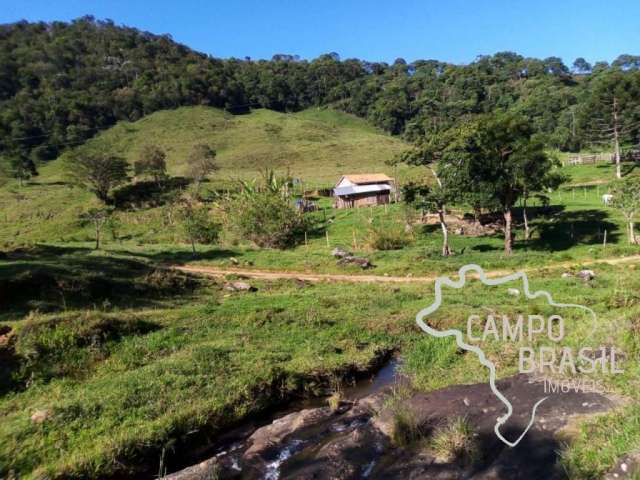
<point x="508" y="239"/>
<point x="477" y="212"/>
<point x="193" y="247"/>
<point x="527" y="232"/>
<point x="97" y="235"/>
<point x="446" y="251"/>
<point x="632" y="234"/>
<point x="616" y="138"/>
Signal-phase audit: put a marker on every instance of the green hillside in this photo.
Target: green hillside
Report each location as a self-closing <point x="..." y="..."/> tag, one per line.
<point x="314" y="145"/>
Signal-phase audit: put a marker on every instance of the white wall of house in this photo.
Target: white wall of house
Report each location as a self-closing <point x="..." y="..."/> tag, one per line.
<point x="344" y="182"/>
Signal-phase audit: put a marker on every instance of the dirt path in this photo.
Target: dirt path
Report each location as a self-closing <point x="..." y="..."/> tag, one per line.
<point x="364" y="278"/>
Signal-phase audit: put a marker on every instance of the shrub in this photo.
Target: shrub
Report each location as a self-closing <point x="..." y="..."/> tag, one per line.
<point x="389" y="236"/>
<point x="267" y="219"/>
<point x="198" y="225"/>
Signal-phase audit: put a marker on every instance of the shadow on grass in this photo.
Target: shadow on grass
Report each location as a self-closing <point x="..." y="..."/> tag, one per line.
<point x="553" y="228"/>
<point x="52" y="278"/>
<point x="628" y="168"/>
<point x="567" y="229"/>
<point x="184" y="256"/>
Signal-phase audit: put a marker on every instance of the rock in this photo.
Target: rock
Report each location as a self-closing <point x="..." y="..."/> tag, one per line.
<point x="271" y="435"/>
<point x="40" y="416"/>
<point x="234" y="260"/>
<point x="513" y="291"/>
<point x="239" y="287"/>
<point x="340" y="252"/>
<point x="353" y="260"/>
<point x="202" y="470"/>
<point x="586" y="275"/>
<point x="567" y="275"/>
<point x="459" y="231"/>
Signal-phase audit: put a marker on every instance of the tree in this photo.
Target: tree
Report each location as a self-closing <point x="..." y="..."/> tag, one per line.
<point x="581" y="66"/>
<point x="23" y="168"/>
<point x="200" y="163"/>
<point x="444" y="189"/>
<point x="611" y="114"/>
<point x="537" y="186"/>
<point x="197" y="224"/>
<point x="626" y="198"/>
<point x="97" y="172"/>
<point x="98" y="217"/>
<point x="498" y="157"/>
<point x="432" y="198"/>
<point x="151" y="162"/>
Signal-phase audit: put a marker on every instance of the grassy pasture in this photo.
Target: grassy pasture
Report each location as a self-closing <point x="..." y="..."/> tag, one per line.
<point x="121" y="380"/>
<point x="124" y="359"/>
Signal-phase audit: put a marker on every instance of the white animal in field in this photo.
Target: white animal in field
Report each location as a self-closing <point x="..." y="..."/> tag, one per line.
<point x="607" y="198"/>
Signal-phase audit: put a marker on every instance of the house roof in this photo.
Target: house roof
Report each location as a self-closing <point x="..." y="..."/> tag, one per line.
<point x="364" y="178"/>
<point x="353" y="189"/>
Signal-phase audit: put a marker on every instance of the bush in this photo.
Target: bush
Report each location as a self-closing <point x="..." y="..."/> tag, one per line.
<point x="389" y="236"/>
<point x="197" y="224"/>
<point x="267" y="219"/>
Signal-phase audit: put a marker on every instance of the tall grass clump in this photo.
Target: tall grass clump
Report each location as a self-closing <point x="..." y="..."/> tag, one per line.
<point x="455" y="442"/>
<point x="389" y="236"/>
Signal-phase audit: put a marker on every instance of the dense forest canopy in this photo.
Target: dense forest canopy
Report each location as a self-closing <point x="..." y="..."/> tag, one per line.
<point x="60" y="83"/>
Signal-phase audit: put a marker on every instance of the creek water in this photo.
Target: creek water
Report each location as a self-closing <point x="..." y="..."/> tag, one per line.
<point x="292" y="456"/>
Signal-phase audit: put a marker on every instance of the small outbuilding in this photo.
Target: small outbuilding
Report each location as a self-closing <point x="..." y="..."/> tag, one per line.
<point x="363" y="190"/>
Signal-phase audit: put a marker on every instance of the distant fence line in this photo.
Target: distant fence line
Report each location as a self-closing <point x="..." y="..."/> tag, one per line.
<point x="589" y="159"/>
<point x="592" y="158"/>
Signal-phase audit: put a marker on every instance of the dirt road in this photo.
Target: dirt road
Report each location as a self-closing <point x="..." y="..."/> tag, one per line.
<point x="212" y="271"/>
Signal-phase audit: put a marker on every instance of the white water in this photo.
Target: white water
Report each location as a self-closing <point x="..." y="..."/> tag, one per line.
<point x="273" y="468"/>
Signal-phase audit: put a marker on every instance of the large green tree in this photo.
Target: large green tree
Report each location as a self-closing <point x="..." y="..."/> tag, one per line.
<point x="499" y="157"/>
<point x="97" y="172"/>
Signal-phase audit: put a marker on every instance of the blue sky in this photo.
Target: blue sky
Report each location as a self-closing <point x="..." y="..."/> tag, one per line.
<point x="376" y="30"/>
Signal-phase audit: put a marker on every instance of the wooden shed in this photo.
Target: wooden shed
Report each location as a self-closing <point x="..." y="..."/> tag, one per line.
<point x="363" y="190"/>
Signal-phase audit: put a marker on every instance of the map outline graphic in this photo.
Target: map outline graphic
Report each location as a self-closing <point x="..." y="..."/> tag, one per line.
<point x="457" y="334"/>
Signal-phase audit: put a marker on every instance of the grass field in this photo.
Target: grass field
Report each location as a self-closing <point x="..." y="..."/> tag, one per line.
<point x="122" y="359"/>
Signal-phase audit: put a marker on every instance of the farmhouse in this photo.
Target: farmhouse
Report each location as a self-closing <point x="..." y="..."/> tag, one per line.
<point x="363" y="190"/>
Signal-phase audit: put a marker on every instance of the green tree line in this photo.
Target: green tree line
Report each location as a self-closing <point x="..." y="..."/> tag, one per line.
<point x="61" y="82"/>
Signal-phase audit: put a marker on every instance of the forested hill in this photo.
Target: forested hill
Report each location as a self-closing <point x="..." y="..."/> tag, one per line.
<point x="60" y="83"/>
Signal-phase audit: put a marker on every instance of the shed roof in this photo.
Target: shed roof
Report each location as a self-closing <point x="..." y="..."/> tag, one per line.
<point x="354" y="189"/>
<point x="364" y="178"/>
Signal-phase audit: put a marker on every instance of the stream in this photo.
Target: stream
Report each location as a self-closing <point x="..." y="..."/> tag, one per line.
<point x="310" y="441"/>
<point x="284" y="444"/>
